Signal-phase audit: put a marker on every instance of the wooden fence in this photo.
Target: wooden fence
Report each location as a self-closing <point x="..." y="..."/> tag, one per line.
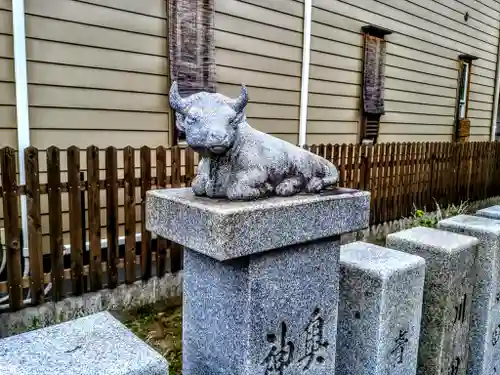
<point x="400" y="176"/>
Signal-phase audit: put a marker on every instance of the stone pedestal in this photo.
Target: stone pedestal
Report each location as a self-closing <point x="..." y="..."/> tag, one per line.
<point x="379" y="310"/>
<point x="95" y="344"/>
<point x="492" y="212"/>
<point x="449" y="283"/>
<point x="484" y="336"/>
<point x="260" y="278"/>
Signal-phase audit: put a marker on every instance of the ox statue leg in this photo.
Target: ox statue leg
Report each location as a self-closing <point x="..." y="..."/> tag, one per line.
<point x="290" y="186"/>
<point x="199" y="183"/>
<point x="248" y="185"/>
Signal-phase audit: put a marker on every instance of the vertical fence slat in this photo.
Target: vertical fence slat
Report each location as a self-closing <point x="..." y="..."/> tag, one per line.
<point x="350" y="166"/>
<point x="403" y="202"/>
<point x="329" y="152"/>
<point x="34" y="225"/>
<point x="413" y="176"/>
<point x="176" y="166"/>
<point x="11" y="223"/>
<point x="130" y="224"/>
<point x="363" y="167"/>
<point x="387" y="166"/>
<point x="392" y="184"/>
<point x="112" y="215"/>
<point x="397" y="183"/>
<point x="321" y="150"/>
<point x="380" y="188"/>
<point x="146" y="260"/>
<point x="189" y="165"/>
<point x="356" y="167"/>
<point x="162" y="244"/>
<point x="176" y="249"/>
<point x="75" y="218"/>
<point x="94" y="218"/>
<point x="336" y="155"/>
<point x="342" y="163"/>
<point x="314" y="149"/>
<point x="55" y="222"/>
<point x="418" y="175"/>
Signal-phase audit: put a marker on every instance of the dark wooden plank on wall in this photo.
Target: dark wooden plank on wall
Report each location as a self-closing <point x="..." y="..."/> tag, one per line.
<point x="161" y="175"/>
<point x="94" y="218"/>
<point x="112" y="215"/>
<point x="11" y="223"/>
<point x="75" y="218"/>
<point x="130" y="240"/>
<point x="34" y="225"/>
<point x="146" y="258"/>
<point x="55" y="222"/>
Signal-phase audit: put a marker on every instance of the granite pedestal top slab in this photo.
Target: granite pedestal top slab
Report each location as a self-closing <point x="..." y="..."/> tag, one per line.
<point x="225" y="229"/>
<point x="94" y="345"/>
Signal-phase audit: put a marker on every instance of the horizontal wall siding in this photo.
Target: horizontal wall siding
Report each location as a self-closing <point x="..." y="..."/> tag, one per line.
<point x="421" y="73"/>
<point x="7" y="86"/>
<point x="97" y="72"/>
<point x="259" y="43"/>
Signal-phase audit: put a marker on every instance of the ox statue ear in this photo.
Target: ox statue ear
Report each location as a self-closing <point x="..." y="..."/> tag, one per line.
<point x="178" y="103"/>
<point x="241" y="101"/>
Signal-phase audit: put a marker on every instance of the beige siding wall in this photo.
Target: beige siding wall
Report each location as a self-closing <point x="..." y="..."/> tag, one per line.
<point x="422" y="70"/>
<point x="7" y="86"/>
<point x="259" y="43"/>
<point x="97" y="72"/>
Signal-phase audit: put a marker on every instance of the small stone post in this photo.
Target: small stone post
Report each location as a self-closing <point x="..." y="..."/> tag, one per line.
<point x="449" y="283"/>
<point x="492" y="212"/>
<point x="484" y="331"/>
<point x="379" y="310"/>
<point x="260" y="278"/>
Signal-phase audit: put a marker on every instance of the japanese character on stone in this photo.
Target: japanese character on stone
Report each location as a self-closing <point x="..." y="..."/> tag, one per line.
<point x="400" y="345"/>
<point x="281" y="353"/>
<point x="315" y="340"/>
<point x="454" y="367"/>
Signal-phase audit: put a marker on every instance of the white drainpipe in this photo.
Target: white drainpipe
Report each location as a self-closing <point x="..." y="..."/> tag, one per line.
<point x="22" y="109"/>
<point x="306" y="60"/>
<point x="497" y="94"/>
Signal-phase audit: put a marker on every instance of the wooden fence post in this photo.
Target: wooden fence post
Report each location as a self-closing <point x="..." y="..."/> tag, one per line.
<point x="145" y="234"/>
<point x="34" y="225"/>
<point x="176" y="253"/>
<point x="161" y="177"/>
<point x="130" y="224"/>
<point x="94" y="218"/>
<point x="55" y="222"/>
<point x="112" y="215"/>
<point x="11" y="220"/>
<point x="75" y="218"/>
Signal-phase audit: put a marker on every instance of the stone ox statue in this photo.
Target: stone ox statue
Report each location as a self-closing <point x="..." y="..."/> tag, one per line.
<point x="239" y="162"/>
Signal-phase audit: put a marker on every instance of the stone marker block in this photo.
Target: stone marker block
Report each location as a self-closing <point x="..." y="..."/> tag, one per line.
<point x="449" y="283"/>
<point x="96" y="344"/>
<point x="484" y="331"/>
<point x="492" y="212"/>
<point x="270" y="306"/>
<point x="379" y="310"/>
